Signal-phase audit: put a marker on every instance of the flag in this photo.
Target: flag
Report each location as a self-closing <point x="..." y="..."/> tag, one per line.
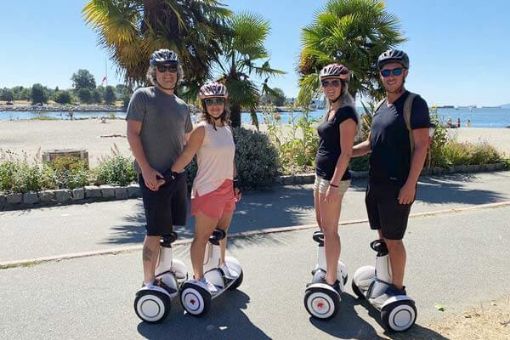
<point x="103" y="81"/>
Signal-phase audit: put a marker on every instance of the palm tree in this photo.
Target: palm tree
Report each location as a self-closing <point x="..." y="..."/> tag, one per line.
<point x="132" y="29"/>
<point x="241" y="53"/>
<point x="352" y="32"/>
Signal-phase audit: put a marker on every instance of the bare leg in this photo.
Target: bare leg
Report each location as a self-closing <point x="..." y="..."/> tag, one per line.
<point x="330" y="214"/>
<point x="204" y="226"/>
<point x="316" y="203"/>
<point x="397" y="253"/>
<point x="150" y="256"/>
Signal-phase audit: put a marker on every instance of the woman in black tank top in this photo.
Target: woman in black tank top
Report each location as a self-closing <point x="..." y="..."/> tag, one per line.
<point x="336" y="132"/>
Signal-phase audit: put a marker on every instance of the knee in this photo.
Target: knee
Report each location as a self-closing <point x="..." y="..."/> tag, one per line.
<point x="394" y="244"/>
<point x="331" y="233"/>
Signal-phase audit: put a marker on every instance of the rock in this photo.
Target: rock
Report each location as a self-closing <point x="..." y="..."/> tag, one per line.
<point x="133" y="191"/>
<point x="3" y="201"/>
<point x="14" y="198"/>
<point x="46" y="196"/>
<point x="121" y="193"/>
<point x="30" y="198"/>
<point x="63" y="195"/>
<point x="92" y="192"/>
<point x="78" y="194"/>
<point x="107" y="191"/>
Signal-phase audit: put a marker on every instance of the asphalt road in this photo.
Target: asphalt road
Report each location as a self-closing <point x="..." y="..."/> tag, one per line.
<point x="457" y="259"/>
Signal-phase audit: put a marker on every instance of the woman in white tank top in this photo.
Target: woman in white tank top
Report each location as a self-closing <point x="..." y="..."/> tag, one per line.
<point x="214" y="191"/>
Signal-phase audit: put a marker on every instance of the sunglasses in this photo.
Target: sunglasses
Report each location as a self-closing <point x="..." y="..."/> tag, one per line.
<point x="167" y="68"/>
<point x="214" y="101"/>
<point x="395" y="71"/>
<point x="334" y="83"/>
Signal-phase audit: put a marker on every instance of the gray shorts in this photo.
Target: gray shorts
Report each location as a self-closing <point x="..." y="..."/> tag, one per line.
<point x="321" y="185"/>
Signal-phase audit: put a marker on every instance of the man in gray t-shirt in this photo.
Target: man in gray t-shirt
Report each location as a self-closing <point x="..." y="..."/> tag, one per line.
<point x="158" y="123"/>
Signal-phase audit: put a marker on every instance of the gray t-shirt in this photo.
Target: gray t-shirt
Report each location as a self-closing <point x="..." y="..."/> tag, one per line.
<point x="165" y="120"/>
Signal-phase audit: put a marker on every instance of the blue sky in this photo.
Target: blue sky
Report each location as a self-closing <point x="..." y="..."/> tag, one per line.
<point x="457" y="48"/>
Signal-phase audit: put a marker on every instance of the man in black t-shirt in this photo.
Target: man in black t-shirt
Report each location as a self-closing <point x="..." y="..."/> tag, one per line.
<point x="394" y="165"/>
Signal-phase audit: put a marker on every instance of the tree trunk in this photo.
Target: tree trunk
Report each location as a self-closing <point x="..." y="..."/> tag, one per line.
<point x="235" y="114"/>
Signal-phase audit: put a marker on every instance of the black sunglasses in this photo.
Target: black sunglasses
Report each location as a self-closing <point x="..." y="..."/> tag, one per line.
<point x="334" y="83"/>
<point x="214" y="101"/>
<point x="395" y="71"/>
<point x="167" y="68"/>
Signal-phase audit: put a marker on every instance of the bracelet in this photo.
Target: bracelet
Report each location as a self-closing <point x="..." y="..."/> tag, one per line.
<point x="332" y="185"/>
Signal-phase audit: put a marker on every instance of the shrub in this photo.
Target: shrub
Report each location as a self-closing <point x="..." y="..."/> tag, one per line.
<point x="20" y="176"/>
<point x="69" y="172"/>
<point x="359" y="163"/>
<point x="117" y="170"/>
<point x="63" y="97"/>
<point x="256" y="158"/>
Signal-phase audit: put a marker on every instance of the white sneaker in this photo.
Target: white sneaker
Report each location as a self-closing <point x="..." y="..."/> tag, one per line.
<point x="229" y="274"/>
<point x="206" y="284"/>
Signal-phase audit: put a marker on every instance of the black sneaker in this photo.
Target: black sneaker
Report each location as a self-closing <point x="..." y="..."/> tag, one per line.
<point x="394" y="291"/>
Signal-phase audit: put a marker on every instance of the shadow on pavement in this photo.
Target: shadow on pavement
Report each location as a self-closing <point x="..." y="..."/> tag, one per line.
<point x="452" y="189"/>
<point x="225" y="320"/>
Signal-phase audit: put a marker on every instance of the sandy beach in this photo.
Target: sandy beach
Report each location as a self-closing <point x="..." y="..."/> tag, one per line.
<point x="99" y="139"/>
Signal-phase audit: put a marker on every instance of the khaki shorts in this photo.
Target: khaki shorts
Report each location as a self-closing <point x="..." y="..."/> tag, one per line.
<point x="321" y="185"/>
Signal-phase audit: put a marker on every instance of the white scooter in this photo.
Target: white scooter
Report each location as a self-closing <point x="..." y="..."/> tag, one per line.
<point x="398" y="311"/>
<point x="153" y="303"/>
<point x="321" y="300"/>
<point x="195" y="299"/>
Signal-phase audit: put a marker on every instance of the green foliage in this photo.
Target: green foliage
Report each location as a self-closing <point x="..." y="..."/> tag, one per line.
<point x="116" y="170"/>
<point x="7" y="95"/>
<point x="296" y="147"/>
<point x="68" y="172"/>
<point x="39" y="94"/>
<point x="83" y="79"/>
<point x="63" y="97"/>
<point x="97" y="97"/>
<point x="85" y="96"/>
<point x="21" y="176"/>
<point x="109" y="95"/>
<point x="274" y="96"/>
<point x="359" y="163"/>
<point x="256" y="158"/>
<point x="352" y="32"/>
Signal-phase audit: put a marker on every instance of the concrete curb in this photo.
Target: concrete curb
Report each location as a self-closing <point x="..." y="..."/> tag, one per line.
<point x="274" y="230"/>
<point x="89" y="194"/>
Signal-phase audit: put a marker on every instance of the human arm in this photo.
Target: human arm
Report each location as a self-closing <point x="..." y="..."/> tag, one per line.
<point x="194" y="143"/>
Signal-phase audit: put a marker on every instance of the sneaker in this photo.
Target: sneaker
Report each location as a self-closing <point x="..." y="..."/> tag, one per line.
<point x="206" y="284"/>
<point x="159" y="283"/>
<point x="394" y="291"/>
<point x="335" y="286"/>
<point x="227" y="273"/>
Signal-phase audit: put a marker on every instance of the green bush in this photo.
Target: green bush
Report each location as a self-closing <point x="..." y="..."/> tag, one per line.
<point x="20" y="176"/>
<point x="68" y="172"/>
<point x="256" y="158"/>
<point x="455" y="153"/>
<point x="359" y="163"/>
<point x="116" y="170"/>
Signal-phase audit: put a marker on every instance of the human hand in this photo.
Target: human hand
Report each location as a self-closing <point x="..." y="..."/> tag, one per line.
<point x="153" y="179"/>
<point x="332" y="194"/>
<point x="407" y="194"/>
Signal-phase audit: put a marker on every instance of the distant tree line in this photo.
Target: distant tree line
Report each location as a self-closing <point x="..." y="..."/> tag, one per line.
<point x="84" y="91"/>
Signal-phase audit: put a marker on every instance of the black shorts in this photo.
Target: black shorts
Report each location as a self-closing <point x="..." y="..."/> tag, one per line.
<point x="166" y="207"/>
<point x="384" y="211"/>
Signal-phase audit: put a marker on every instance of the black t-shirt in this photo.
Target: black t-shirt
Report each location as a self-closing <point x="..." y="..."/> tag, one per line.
<point x="329" y="143"/>
<point x="390" y="160"/>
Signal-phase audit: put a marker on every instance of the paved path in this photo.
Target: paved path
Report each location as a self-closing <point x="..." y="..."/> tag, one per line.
<point x="456" y="259"/>
<point x="54" y="231"/>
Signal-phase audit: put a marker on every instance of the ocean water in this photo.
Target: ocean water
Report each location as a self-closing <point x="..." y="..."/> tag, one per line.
<point x="479" y="117"/>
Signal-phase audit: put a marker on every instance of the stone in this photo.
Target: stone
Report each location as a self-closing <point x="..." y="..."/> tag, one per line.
<point x="30" y="198"/>
<point x="121" y="193"/>
<point x="14" y="198"/>
<point x="107" y="191"/>
<point x="63" y="195"/>
<point x="3" y="201"/>
<point x="78" y="194"/>
<point x="47" y="196"/>
<point x="92" y="192"/>
<point x="133" y="191"/>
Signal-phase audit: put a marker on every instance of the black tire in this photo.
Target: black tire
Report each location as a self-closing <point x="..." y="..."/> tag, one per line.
<point x="356" y="291"/>
<point x="399" y="316"/>
<point x="152" y="306"/>
<point x="190" y="295"/>
<point x="237" y="282"/>
<point x="316" y="296"/>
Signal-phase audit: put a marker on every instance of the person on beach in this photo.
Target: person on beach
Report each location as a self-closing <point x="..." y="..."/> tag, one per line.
<point x="215" y="191"/>
<point x="332" y="177"/>
<point x="395" y="165"/>
<point x="158" y="124"/>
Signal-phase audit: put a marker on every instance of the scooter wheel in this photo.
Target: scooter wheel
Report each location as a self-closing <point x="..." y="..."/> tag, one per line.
<point x="152" y="306"/>
<point x="237" y="282"/>
<point x="321" y="303"/>
<point x="399" y="316"/>
<point x="356" y="290"/>
<point x="195" y="300"/>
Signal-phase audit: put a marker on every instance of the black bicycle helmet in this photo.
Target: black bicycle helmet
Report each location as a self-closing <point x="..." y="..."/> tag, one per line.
<point x="335" y="71"/>
<point x="393" y="56"/>
<point x="163" y="56"/>
<point x="214" y="89"/>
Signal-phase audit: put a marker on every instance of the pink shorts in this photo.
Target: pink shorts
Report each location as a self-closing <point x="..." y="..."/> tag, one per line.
<point x="215" y="203"/>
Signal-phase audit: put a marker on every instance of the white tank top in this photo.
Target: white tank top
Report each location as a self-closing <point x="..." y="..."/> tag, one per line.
<point x="215" y="159"/>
